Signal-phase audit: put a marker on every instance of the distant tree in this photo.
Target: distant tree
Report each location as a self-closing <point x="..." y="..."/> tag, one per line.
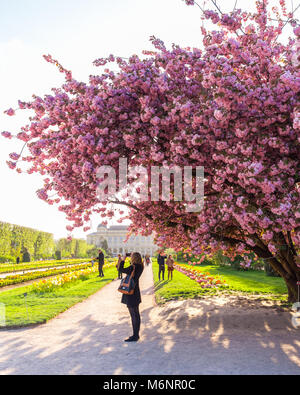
<point x="269" y="270"/>
<point x="58" y="255"/>
<point x="104" y="245"/>
<point x="26" y="256"/>
<point x="92" y="252"/>
<point x="170" y="251"/>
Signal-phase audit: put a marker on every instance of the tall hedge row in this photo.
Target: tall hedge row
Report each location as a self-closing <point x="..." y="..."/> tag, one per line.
<point x="30" y="244"/>
<point x="78" y="248"/>
<point x="16" y="240"/>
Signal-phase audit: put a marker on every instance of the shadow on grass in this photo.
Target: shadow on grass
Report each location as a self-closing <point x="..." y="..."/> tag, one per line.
<point x="160" y="284"/>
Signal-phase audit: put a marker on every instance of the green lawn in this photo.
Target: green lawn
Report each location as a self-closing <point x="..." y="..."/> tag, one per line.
<point x="247" y="281"/>
<point x="253" y="282"/>
<point x="181" y="287"/>
<point x="43" y="307"/>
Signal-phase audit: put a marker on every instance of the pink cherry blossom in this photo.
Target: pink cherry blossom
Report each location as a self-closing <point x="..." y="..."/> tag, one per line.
<point x="231" y="106"/>
<point x="10" y="112"/>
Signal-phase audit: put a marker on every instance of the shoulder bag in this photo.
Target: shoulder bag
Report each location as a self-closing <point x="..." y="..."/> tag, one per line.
<point x="127" y="284"/>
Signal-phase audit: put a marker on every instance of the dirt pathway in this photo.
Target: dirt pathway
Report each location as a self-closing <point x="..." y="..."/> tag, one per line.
<point x="215" y="336"/>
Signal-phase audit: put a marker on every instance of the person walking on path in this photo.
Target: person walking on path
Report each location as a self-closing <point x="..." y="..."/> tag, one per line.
<point x="100" y="263"/>
<point x="170" y="264"/>
<point x="133" y="301"/>
<point x="148" y="260"/>
<point x="161" y="264"/>
<point x="120" y="276"/>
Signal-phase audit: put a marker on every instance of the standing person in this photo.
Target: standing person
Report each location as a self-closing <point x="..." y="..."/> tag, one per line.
<point x="170" y="264"/>
<point x="161" y="264"/>
<point x="100" y="263"/>
<point x="120" y="276"/>
<point x="133" y="301"/>
<point x="148" y="260"/>
<point x="18" y="260"/>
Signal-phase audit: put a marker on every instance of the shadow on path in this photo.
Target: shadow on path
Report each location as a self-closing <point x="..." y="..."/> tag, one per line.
<point x="182" y="337"/>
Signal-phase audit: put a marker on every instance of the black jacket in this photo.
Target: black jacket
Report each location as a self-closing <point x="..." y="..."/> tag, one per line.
<point x="161" y="259"/>
<point x="135" y="298"/>
<point x="101" y="258"/>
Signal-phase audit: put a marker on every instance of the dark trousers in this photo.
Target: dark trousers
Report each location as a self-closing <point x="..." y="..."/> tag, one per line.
<point x="120" y="274"/>
<point x="161" y="271"/>
<point x="100" y="268"/>
<point x="135" y="319"/>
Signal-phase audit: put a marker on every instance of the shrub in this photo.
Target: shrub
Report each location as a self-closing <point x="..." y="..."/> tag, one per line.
<point x="6" y="258"/>
<point x="269" y="271"/>
<point x="220" y="259"/>
<point x="58" y="255"/>
<point x="26" y="256"/>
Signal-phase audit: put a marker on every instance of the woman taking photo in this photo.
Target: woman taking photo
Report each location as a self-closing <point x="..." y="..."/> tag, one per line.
<point x="133" y="301"/>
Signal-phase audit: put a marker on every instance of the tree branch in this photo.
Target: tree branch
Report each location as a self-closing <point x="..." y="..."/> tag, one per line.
<point x="291" y="243"/>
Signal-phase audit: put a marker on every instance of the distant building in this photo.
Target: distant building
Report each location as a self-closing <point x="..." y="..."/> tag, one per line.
<point x="115" y="236"/>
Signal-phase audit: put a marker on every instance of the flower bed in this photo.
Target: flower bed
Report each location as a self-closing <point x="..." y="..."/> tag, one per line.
<point x="61" y="280"/>
<point x="20" y="278"/>
<point x="205" y="280"/>
<point x="48" y="285"/>
<point x="7" y="268"/>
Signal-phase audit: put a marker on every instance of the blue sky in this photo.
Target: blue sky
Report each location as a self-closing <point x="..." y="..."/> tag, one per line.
<point x="75" y="32"/>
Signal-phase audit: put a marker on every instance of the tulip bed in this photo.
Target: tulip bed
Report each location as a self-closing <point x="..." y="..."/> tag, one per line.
<point x="65" y="279"/>
<point x="21" y="278"/>
<point x="205" y="280"/>
<point x="59" y="281"/>
<point x="8" y="268"/>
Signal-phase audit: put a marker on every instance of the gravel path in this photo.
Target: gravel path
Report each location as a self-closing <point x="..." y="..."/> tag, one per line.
<point x="210" y="336"/>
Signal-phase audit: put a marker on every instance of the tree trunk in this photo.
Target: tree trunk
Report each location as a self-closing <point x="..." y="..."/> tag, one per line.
<point x="292" y="290"/>
<point x="284" y="263"/>
<point x="291" y="277"/>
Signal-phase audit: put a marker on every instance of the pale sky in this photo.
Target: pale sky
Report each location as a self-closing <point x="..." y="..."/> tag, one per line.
<point x="75" y="32"/>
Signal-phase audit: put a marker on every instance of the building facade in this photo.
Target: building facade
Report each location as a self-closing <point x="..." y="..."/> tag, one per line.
<point x="115" y="236"/>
